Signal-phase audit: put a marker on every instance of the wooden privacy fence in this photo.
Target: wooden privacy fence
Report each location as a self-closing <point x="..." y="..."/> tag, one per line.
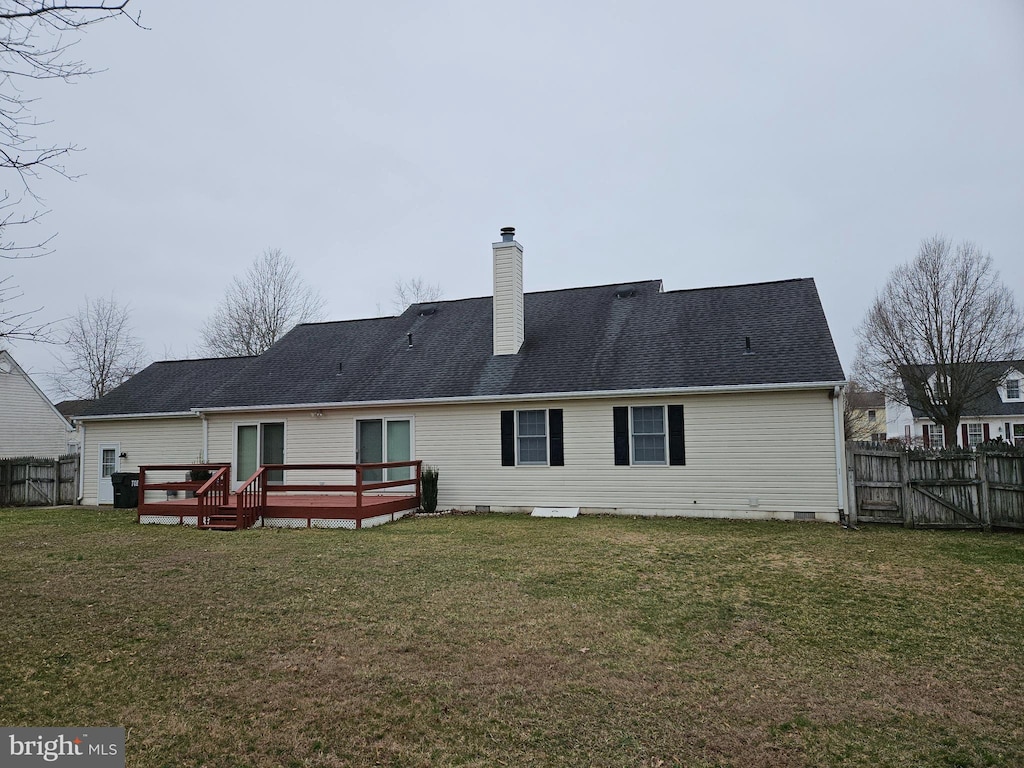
<point x="981" y="490"/>
<point x="36" y="482"/>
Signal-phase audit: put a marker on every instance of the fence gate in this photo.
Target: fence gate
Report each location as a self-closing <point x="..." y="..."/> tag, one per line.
<point x="976" y="490"/>
<point x="36" y="482"/>
<point x="944" y="493"/>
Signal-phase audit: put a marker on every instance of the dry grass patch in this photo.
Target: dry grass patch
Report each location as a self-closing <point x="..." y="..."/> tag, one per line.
<point x="491" y="640"/>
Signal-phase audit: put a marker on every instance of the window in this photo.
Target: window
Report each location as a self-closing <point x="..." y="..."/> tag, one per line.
<point x="878" y="437"/>
<point x="1018" y="434"/>
<point x="532" y="438"/>
<point x="871" y="415"/>
<point x="646" y="435"/>
<point x="108" y="462"/>
<point x="975" y="435"/>
<point x="1013" y="389"/>
<point x="934" y="436"/>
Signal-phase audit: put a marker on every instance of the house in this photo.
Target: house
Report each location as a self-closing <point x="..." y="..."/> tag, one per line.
<point x="997" y="414"/>
<point x="628" y="399"/>
<point x="30" y="425"/>
<point x="865" y="416"/>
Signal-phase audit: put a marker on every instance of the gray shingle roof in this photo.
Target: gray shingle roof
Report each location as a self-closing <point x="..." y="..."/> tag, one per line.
<point x="577" y="340"/>
<point x="990" y="403"/>
<point x="172" y="386"/>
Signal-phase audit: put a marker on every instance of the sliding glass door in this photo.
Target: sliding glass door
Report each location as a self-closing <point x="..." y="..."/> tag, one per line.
<point x="384" y="440"/>
<point x="258" y="444"/>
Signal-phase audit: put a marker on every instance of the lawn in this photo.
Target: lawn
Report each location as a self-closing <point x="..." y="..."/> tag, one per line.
<point x="487" y="640"/>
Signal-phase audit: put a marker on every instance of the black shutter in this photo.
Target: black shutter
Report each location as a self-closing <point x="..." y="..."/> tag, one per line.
<point x="508" y="438"/>
<point x="676" y="442"/>
<point x="620" y="424"/>
<point x="557" y="451"/>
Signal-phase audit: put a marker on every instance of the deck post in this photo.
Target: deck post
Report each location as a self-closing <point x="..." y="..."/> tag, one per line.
<point x="142" y="494"/>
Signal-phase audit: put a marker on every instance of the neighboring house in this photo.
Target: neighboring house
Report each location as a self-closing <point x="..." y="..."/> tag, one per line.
<point x="719" y="402"/>
<point x="30" y="425"/>
<point x="865" y="416"/>
<point x="999" y="414"/>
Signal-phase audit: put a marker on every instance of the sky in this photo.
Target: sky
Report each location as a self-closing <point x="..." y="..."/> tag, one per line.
<point x="702" y="144"/>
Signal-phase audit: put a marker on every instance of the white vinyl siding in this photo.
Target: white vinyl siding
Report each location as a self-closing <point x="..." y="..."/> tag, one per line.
<point x="143" y="441"/>
<point x="29" y="426"/>
<point x="749" y="455"/>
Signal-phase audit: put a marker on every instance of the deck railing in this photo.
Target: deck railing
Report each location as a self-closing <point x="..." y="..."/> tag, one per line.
<point x="147" y="484"/>
<point x="213" y="495"/>
<point x="360" y="486"/>
<point x="251" y="499"/>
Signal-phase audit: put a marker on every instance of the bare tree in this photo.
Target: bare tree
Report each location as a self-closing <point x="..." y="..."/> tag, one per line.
<point x="261" y="307"/>
<point x="414" y="291"/>
<point x="101" y="351"/>
<point x="37" y="39"/>
<point x="14" y="324"/>
<point x="939" y="333"/>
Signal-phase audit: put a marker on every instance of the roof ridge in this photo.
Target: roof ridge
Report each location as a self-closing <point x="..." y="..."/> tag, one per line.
<point x="742" y="285"/>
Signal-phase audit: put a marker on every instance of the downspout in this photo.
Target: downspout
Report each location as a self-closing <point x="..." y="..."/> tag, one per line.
<point x="206" y="438"/>
<point x="81" y="467"/>
<point x="838" y="396"/>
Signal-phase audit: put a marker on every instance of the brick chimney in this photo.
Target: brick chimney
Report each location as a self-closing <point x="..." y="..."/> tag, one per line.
<point x="508" y="293"/>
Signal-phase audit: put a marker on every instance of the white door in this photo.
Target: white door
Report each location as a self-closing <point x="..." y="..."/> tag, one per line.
<point x="109" y="464"/>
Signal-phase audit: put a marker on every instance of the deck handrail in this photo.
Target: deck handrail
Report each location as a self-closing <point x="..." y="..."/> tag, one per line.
<point x="213" y="495"/>
<point x="251" y="498"/>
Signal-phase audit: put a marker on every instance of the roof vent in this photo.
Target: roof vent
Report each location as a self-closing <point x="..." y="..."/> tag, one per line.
<point x="426" y="310"/>
<point x="508" y="234"/>
<point x="625" y="291"/>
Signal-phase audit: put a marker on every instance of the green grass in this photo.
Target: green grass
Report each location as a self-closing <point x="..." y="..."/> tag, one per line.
<point x="503" y="640"/>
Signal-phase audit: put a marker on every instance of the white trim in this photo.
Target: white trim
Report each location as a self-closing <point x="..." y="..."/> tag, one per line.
<point x="99" y="468"/>
<point x="664" y="423"/>
<point x="528" y="397"/>
<point x="237" y="483"/>
<point x="384" y="437"/>
<point x="547" y="438"/>
<point x="120" y="416"/>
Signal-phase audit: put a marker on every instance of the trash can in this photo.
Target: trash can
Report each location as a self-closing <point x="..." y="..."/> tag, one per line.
<point x="126" y="489"/>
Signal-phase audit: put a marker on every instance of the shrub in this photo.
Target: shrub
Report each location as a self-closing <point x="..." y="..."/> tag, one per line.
<point x="429" y="479"/>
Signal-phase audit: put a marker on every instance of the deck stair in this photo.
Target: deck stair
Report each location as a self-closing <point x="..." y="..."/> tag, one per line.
<point x="224" y="519"/>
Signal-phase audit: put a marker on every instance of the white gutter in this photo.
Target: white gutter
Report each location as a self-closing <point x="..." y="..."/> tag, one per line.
<point x="81" y="468"/>
<point x="838" y="397"/>
<point x="601" y="394"/>
<point x="169" y="415"/>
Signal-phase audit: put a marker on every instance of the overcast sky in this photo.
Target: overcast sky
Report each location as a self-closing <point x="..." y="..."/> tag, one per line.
<point x="700" y="143"/>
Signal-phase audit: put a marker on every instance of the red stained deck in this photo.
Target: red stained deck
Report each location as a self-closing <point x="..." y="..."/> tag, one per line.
<point x="213" y="506"/>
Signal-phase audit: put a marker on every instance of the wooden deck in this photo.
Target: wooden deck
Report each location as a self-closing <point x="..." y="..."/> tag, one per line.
<point x="288" y="505"/>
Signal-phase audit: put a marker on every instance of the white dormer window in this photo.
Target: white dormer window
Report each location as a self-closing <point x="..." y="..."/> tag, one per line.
<point x="1013" y="389"/>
